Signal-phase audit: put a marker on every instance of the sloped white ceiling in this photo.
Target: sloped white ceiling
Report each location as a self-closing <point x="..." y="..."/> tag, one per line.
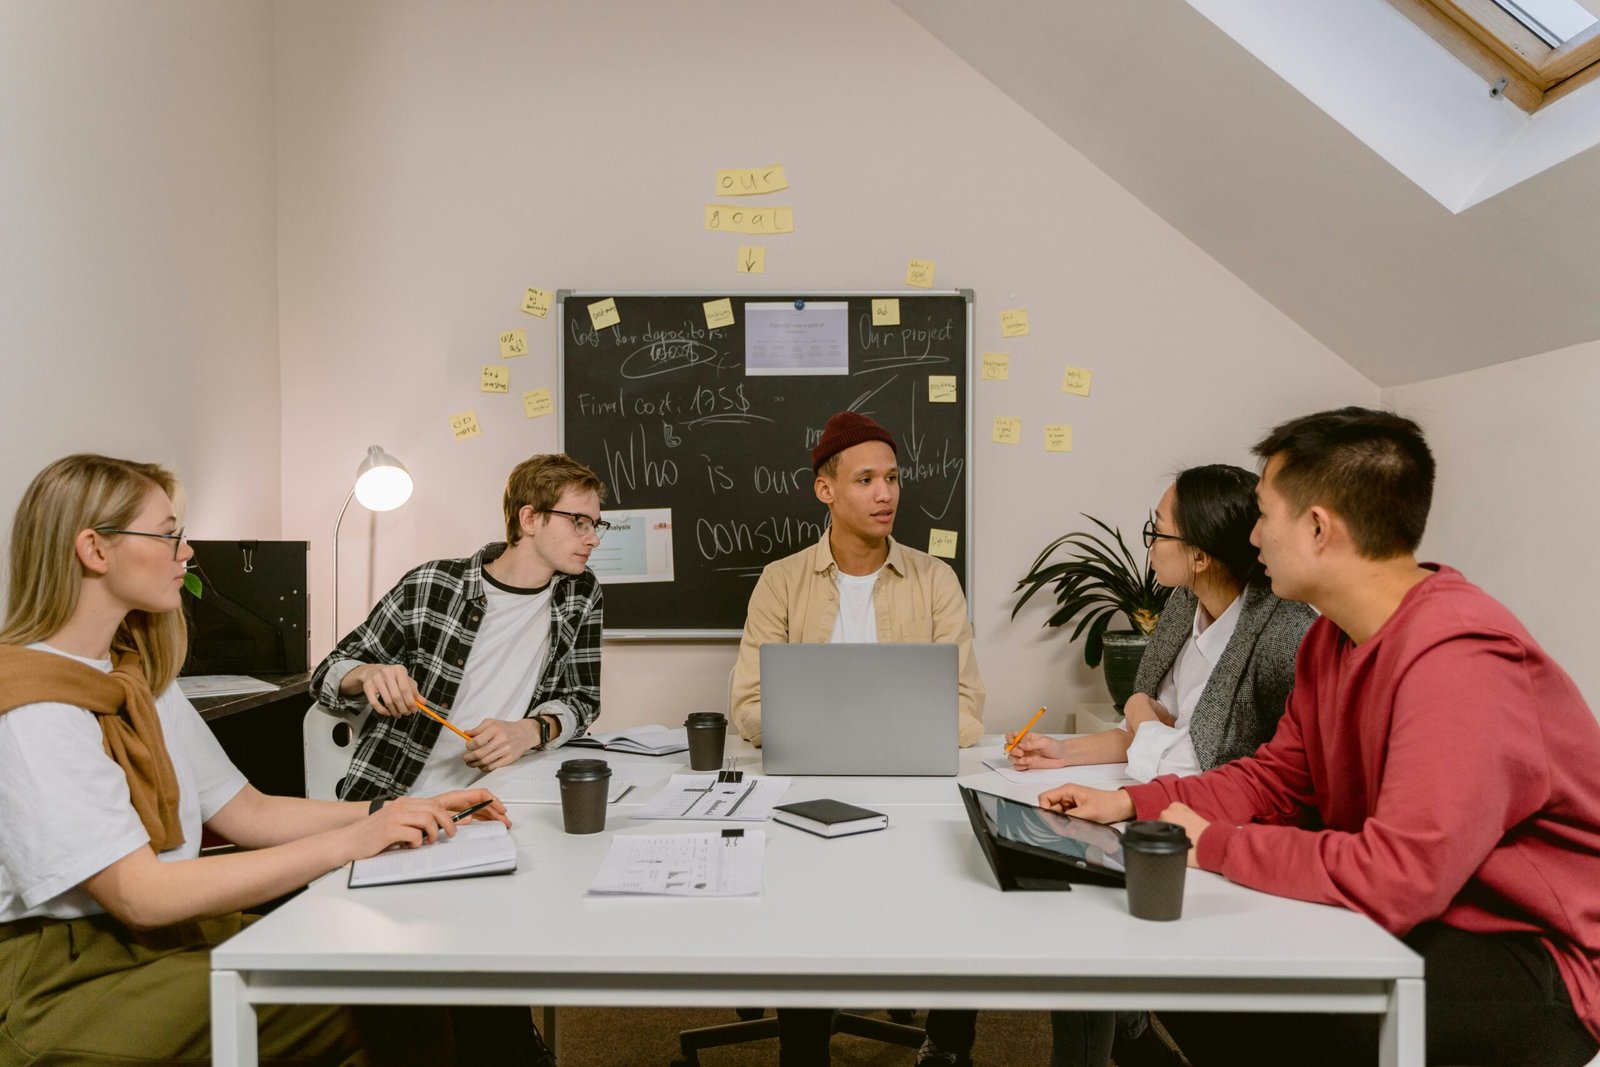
<point x="1287" y="199"/>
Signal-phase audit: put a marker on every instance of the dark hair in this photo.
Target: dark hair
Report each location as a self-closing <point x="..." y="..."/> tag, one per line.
<point x="1371" y="467"/>
<point x="1214" y="511"/>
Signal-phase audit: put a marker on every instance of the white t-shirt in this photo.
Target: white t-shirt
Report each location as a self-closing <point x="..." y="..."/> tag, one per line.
<point x="857" y="621"/>
<point x="502" y="670"/>
<point x="65" y="810"/>
<point x="1160" y="749"/>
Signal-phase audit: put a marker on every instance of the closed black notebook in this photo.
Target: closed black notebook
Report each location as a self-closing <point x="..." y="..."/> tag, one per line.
<point x="829" y="818"/>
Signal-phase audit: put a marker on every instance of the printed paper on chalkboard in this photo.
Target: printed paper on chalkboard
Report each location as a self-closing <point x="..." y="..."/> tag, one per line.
<point x="784" y="339"/>
<point x="637" y="548"/>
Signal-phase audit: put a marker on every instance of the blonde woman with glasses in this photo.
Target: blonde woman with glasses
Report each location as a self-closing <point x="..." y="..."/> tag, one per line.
<point x="107" y="778"/>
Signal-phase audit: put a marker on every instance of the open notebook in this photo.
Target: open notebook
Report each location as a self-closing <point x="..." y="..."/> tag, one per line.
<point x="477" y="848"/>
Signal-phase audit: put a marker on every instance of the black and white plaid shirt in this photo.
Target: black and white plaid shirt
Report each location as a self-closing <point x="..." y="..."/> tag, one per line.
<point x="427" y="624"/>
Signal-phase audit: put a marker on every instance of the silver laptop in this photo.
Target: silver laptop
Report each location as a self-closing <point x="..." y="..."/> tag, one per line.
<point x="859" y="709"/>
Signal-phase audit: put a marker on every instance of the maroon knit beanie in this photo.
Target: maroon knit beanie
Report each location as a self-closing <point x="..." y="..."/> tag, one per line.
<point x="845" y="429"/>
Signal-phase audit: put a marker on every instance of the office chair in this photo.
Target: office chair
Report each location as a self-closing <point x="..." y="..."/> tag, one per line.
<point x="754" y="1026"/>
<point x="328" y="741"/>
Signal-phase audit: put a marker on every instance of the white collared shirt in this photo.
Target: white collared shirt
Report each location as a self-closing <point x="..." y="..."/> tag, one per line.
<point x="1160" y="749"/>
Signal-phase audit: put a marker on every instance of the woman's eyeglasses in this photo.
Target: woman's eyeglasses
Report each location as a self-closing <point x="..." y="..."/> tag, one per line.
<point x="1151" y="536"/>
<point x="177" y="538"/>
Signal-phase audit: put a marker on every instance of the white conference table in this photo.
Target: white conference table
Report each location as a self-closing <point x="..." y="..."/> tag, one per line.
<point x="910" y="917"/>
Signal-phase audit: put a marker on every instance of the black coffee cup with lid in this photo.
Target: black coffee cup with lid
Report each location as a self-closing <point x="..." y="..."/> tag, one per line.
<point x="584" y="784"/>
<point x="708" y="733"/>
<point x="1156" y="855"/>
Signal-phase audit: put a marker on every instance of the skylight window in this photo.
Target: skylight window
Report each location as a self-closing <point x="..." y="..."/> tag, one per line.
<point x="1555" y="22"/>
<point x="1532" y="52"/>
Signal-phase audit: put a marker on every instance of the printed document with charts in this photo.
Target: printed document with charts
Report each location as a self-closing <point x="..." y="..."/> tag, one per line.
<point x="726" y="796"/>
<point x="719" y="863"/>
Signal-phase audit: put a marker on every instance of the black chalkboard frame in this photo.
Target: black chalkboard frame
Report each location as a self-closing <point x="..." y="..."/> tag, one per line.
<point x="573" y="302"/>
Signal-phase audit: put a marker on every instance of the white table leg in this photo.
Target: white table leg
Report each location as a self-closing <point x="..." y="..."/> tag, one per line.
<point x="233" y="1022"/>
<point x="551" y="1036"/>
<point x="1403" y="1034"/>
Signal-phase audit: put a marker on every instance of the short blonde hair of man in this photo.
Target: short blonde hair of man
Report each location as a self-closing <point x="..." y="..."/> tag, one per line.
<point x="77" y="493"/>
<point x="539" y="481"/>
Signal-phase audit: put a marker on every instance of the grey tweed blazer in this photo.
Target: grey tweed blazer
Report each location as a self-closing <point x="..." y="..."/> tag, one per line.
<point x="1243" y="699"/>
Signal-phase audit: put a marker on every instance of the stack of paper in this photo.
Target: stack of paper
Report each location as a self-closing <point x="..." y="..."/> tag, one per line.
<point x="716" y="797"/>
<point x="724" y="863"/>
<point x="1048" y="778"/>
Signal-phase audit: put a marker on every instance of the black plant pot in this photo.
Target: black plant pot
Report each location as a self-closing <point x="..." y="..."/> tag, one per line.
<point x="1122" y="652"/>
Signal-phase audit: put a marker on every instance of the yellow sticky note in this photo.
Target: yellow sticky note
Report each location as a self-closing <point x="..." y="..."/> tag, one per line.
<point x="718" y="313"/>
<point x="513" y="343"/>
<point x="919" y="272"/>
<point x="1058" y="438"/>
<point x="751" y="182"/>
<point x="464" y="424"/>
<point x="537" y="402"/>
<point x="941" y="388"/>
<point x="1076" y="381"/>
<point x="537" y="302"/>
<point x="1007" y="430"/>
<point x="886" y="312"/>
<point x="996" y="366"/>
<point x="736" y="218"/>
<point x="496" y="378"/>
<point x="752" y="259"/>
<point x="942" y="543"/>
<point x="604" y="313"/>
<point x="1014" y="323"/>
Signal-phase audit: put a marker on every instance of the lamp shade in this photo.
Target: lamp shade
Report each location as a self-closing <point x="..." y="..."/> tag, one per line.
<point x="382" y="482"/>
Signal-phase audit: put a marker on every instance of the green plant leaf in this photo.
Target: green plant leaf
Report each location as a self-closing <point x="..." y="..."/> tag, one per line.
<point x="191" y="582"/>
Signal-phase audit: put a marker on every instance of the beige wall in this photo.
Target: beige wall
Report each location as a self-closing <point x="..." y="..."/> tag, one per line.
<point x="138" y="302"/>
<point x="1515" y="505"/>
<point x="435" y="160"/>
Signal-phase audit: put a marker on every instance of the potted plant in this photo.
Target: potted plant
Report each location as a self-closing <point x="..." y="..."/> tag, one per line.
<point x="1096" y="582"/>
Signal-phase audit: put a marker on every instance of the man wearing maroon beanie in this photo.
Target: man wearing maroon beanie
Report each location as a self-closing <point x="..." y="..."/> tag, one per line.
<point x="856" y="584"/>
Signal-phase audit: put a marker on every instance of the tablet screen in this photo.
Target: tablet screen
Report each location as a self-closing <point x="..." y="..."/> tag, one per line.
<point x="1064" y="835"/>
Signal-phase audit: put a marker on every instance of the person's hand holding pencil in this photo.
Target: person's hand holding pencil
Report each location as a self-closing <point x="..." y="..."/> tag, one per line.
<point x="1030" y="751"/>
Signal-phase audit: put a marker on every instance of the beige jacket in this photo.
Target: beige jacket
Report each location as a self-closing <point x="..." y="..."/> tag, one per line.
<point x="917" y="599"/>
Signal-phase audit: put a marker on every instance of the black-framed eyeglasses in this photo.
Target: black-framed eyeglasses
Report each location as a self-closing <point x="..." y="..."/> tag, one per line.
<point x="177" y="537"/>
<point x="583" y="524"/>
<point x="1151" y="536"/>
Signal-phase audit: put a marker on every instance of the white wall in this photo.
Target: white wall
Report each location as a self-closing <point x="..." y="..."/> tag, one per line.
<point x="138" y="302"/>
<point x="1515" y="505"/>
<point x="436" y="160"/>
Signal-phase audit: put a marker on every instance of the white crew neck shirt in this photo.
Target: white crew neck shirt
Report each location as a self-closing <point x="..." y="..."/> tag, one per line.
<point x="857" y="621"/>
<point x="502" y="670"/>
<point x="1159" y="749"/>
<point x="68" y="813"/>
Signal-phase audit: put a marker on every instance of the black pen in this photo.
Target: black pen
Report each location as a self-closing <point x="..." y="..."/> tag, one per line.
<point x="467" y="812"/>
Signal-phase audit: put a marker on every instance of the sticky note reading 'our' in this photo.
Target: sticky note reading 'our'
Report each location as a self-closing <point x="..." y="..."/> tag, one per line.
<point x="537" y="302"/>
<point x="513" y="343"/>
<point x="496" y="378"/>
<point x="941" y="388"/>
<point x="1058" y="438"/>
<point x="1007" y="430"/>
<point x="942" y="543"/>
<point x="751" y="182"/>
<point x="1076" y="381"/>
<point x="919" y="272"/>
<point x="718" y="313"/>
<point x="996" y="366"/>
<point x="537" y="402"/>
<point x="886" y="312"/>
<point x="752" y="259"/>
<point x="604" y="313"/>
<point x="1014" y="323"/>
<point x="464" y="424"/>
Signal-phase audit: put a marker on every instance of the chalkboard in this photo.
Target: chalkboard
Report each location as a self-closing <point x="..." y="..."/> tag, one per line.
<point x="667" y="412"/>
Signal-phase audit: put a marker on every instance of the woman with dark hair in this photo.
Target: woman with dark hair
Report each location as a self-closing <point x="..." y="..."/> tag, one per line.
<point x="1211" y="688"/>
<point x="1214" y="679"/>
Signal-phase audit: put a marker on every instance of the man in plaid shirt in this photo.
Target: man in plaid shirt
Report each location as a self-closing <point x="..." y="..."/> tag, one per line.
<point x="505" y="644"/>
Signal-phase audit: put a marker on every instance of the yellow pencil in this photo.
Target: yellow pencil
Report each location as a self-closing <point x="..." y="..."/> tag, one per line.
<point x="1023" y="734"/>
<point x="442" y="721"/>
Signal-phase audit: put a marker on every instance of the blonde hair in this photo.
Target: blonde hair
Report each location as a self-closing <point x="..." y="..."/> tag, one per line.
<point x="539" y="481"/>
<point x="74" y="494"/>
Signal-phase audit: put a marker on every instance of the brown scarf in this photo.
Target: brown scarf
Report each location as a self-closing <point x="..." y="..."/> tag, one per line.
<point x="128" y="721"/>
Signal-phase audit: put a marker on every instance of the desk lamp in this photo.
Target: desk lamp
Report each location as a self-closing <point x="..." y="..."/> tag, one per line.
<point x="382" y="484"/>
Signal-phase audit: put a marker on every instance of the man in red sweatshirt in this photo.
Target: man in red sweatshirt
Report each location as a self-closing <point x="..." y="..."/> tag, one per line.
<point x="1434" y="770"/>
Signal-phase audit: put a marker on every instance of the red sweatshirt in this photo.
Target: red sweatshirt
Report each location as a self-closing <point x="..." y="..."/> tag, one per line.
<point x="1445" y="769"/>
